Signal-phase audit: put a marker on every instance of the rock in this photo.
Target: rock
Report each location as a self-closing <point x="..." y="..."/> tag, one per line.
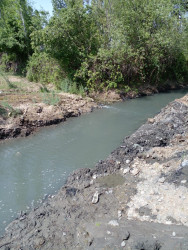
<point x="94" y="176"/>
<point x="151" y="120"/>
<point x="119" y="214"/>
<point x="127" y="235"/>
<point x="128" y="161"/>
<point x="39" y="242"/>
<point x="184" y="164"/>
<point x="161" y="180"/>
<point x="90" y="241"/>
<point x="126" y="170"/>
<point x="95" y="197"/>
<point x="183" y="181"/>
<point x="123" y="243"/>
<point x="135" y="171"/>
<point x="39" y="109"/>
<point x="113" y="223"/>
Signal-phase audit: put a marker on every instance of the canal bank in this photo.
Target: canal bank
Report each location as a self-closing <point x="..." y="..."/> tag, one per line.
<point x="37" y="166"/>
<point x="135" y="199"/>
<point x="26" y="106"/>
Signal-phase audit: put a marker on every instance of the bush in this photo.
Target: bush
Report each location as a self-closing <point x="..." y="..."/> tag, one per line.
<point x="69" y="86"/>
<point x="6" y="110"/>
<point x="110" y="69"/>
<point x="42" y="68"/>
<point x="50" y="98"/>
<point x="10" y="63"/>
<point x="124" y="68"/>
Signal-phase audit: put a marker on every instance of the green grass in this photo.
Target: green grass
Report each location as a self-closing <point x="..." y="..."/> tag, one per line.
<point x="71" y="87"/>
<point x="7" y="110"/>
<point x="50" y="98"/>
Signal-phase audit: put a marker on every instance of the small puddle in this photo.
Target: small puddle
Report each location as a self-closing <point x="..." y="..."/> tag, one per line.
<point x="112" y="180"/>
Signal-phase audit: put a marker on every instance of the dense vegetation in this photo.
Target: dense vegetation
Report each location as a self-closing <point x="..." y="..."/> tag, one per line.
<point x="98" y="44"/>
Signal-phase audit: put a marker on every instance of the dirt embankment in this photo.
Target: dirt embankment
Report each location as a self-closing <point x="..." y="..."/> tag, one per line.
<point x="32" y="116"/>
<point x="136" y="199"/>
<point x="26" y="106"/>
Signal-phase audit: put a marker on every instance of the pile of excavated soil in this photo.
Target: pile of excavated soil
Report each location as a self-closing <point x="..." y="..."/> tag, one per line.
<point x="136" y="199"/>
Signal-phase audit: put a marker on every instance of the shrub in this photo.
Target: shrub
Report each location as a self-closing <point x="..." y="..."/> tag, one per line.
<point x="10" y="63"/>
<point x="127" y="69"/>
<point x="7" y="110"/>
<point x="42" y="68"/>
<point x="72" y="87"/>
<point x="50" y="98"/>
<point x="109" y="69"/>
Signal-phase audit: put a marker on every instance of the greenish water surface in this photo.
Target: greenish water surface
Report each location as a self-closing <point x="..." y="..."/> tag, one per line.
<point x="32" y="168"/>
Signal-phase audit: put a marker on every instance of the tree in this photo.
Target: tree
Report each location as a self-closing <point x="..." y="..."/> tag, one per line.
<point x="17" y="21"/>
<point x="144" y="43"/>
<point x="60" y="4"/>
<point x="115" y="43"/>
<point x="69" y="37"/>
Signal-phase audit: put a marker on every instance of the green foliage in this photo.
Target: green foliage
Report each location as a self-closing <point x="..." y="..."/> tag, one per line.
<point x="14" y="37"/>
<point x="5" y="78"/>
<point x="3" y="112"/>
<point x="50" y="98"/>
<point x="72" y="87"/>
<point x="144" y="43"/>
<point x="44" y="89"/>
<point x="101" y="71"/>
<point x="96" y="44"/>
<point x="10" y="63"/>
<point x="6" y="110"/>
<point x="42" y="68"/>
<point x="70" y="37"/>
<point x="17" y="21"/>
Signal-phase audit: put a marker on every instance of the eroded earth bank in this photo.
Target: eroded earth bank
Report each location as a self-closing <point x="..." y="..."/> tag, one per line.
<point x="136" y="199"/>
<point x="32" y="116"/>
<point x="26" y="106"/>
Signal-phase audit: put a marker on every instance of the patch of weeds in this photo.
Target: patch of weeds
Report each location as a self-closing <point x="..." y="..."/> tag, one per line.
<point x="50" y="98"/>
<point x="71" y="87"/>
<point x="9" y="84"/>
<point x="127" y="89"/>
<point x="8" y="111"/>
<point x="34" y="100"/>
<point x="3" y="112"/>
<point x="65" y="85"/>
<point x="44" y="89"/>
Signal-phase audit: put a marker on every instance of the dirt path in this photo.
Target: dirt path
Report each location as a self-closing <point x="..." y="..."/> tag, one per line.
<point x="136" y="199"/>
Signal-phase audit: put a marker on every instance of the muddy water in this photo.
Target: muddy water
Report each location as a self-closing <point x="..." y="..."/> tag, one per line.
<point x="33" y="168"/>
